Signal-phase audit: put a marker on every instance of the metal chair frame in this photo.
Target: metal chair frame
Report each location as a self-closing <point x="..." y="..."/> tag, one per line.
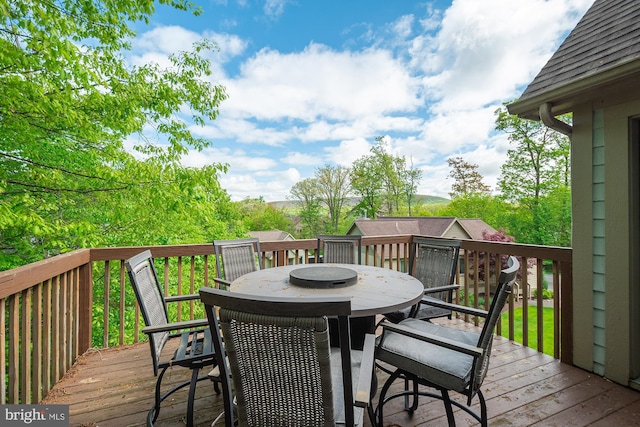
<point x="413" y="335"/>
<point x="195" y="349"/>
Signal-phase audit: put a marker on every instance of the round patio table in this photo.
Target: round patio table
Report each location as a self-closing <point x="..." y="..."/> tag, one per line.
<point x="376" y="291"/>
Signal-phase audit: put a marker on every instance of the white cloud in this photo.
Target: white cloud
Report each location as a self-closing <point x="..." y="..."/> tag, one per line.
<point x="348" y="151"/>
<point x="274" y="8"/>
<point x="486" y="50"/>
<point x="272" y="186"/>
<point x="430" y="80"/>
<point x="321" y="83"/>
<point x="157" y="44"/>
<point x="300" y="159"/>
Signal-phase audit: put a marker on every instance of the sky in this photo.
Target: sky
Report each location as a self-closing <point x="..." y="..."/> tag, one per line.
<point x="313" y="83"/>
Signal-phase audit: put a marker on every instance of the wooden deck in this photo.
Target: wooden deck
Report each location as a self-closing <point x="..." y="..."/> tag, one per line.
<point x="114" y="387"/>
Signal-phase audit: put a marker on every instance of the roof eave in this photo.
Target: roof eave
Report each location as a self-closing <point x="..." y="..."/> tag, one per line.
<point x="564" y="96"/>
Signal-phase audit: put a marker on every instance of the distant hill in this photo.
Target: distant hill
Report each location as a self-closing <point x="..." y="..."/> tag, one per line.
<point x="431" y="200"/>
<point x="420" y="200"/>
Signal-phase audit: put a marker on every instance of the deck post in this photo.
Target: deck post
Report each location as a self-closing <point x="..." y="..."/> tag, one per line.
<point x="85" y="307"/>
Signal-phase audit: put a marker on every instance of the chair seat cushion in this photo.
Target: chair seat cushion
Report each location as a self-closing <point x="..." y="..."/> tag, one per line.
<point x="336" y="378"/>
<point x="442" y="367"/>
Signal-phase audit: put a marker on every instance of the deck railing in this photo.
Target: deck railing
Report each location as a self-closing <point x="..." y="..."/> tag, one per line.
<point x="53" y="310"/>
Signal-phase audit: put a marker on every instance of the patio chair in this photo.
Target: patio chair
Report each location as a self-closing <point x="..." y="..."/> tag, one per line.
<point x="441" y="357"/>
<point x="340" y="249"/>
<point x="280" y="367"/>
<point x="235" y="258"/>
<point x="192" y="338"/>
<point x="433" y="262"/>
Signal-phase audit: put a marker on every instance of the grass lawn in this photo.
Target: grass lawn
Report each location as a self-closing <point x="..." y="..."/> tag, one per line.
<point x="547" y="327"/>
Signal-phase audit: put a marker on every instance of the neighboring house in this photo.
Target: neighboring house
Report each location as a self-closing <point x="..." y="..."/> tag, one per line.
<point x="595" y="74"/>
<point x="270" y="236"/>
<point x="433" y="226"/>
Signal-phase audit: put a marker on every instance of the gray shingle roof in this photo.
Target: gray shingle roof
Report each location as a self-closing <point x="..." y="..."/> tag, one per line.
<point x="607" y="37"/>
<point x="271" y="235"/>
<point x="424" y="226"/>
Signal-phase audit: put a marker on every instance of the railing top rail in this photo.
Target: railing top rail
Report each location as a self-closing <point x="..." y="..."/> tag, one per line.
<point x="18" y="279"/>
<point x="21" y="278"/>
<point x="125" y="252"/>
<point x="520" y="249"/>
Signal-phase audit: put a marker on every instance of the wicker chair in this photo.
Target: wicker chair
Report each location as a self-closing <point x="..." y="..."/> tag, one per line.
<point x="345" y="249"/>
<point x="341" y="249"/>
<point x="279" y="363"/>
<point x="195" y="348"/>
<point x="443" y="358"/>
<point x="235" y="258"/>
<point x="433" y="262"/>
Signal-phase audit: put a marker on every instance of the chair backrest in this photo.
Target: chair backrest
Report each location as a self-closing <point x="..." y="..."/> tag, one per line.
<point x="278" y="356"/>
<point x="146" y="286"/>
<point x="434" y="261"/>
<point x="237" y="257"/>
<point x="505" y="285"/>
<point x="340" y="249"/>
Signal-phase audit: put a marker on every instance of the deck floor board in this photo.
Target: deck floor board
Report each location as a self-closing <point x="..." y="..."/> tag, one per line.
<point x="114" y="387"/>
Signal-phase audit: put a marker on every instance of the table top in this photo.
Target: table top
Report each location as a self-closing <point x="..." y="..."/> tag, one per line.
<point x="377" y="290"/>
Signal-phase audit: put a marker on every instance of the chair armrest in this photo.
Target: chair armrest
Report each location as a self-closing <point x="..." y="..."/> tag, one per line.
<point x="455" y="307"/>
<point x="177" y="298"/>
<point x="441" y="289"/>
<point x="363" y="392"/>
<point x="432" y="339"/>
<point x="187" y="324"/>
<point x="222" y="282"/>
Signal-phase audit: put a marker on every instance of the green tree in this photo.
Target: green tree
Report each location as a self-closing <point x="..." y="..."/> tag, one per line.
<point x="261" y="216"/>
<point x="69" y="101"/>
<point x="366" y="183"/>
<point x="467" y="179"/>
<point x="410" y="178"/>
<point x="536" y="178"/>
<point x="383" y="179"/>
<point x="389" y="167"/>
<point x="333" y="188"/>
<point x="307" y="195"/>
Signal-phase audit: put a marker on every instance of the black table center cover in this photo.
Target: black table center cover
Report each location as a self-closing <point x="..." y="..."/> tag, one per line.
<point x="323" y="277"/>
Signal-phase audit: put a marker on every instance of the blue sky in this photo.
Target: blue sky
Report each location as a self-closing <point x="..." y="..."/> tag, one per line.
<point x="315" y="82"/>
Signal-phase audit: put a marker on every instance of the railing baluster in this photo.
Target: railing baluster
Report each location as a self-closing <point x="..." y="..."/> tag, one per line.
<point x="525" y="301"/>
<point x="192" y="274"/>
<point x="540" y="306"/>
<point x="14" y="348"/>
<point x="36" y="334"/>
<point x="25" y="392"/>
<point x="105" y="314"/>
<point x="46" y="338"/>
<point x="123" y="300"/>
<point x="55" y="329"/>
<point x="3" y="352"/>
<point x="62" y="319"/>
<point x="179" y="303"/>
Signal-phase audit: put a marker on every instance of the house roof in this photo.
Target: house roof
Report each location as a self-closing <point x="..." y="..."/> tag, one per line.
<point x="424" y="226"/>
<point x="271" y="235"/>
<point x="475" y="227"/>
<point x="602" y="49"/>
